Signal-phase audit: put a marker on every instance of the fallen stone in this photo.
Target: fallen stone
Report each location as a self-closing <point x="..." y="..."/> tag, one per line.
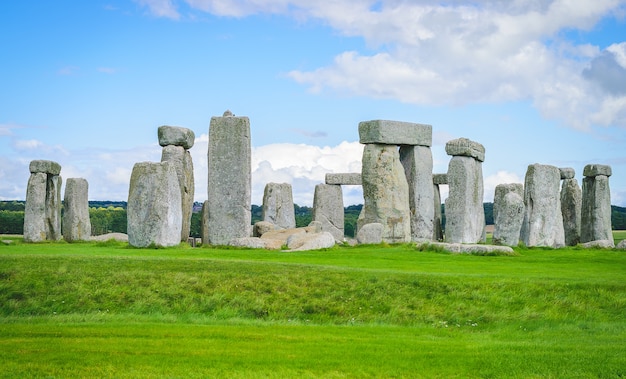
<point x="621" y="245"/>
<point x="386" y="132"/>
<point x="592" y="170"/>
<point x="177" y="136"/>
<point x="475" y="249"/>
<point x="250" y="242"/>
<point x="370" y="234"/>
<point x="598" y="244"/>
<point x="347" y="179"/>
<point x="262" y="227"/>
<point x="110" y="236"/>
<point x="466" y="148"/>
<point x="46" y="167"/>
<point x="310" y="241"/>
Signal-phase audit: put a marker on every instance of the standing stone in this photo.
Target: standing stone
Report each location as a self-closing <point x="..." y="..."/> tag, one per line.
<point x="76" y="222"/>
<point x="438" y="179"/>
<point x="183" y="164"/>
<point x="42" y="214"/>
<point x="596" y="204"/>
<point x="508" y="214"/>
<point x="543" y="220"/>
<point x="418" y="168"/>
<point x="386" y="193"/>
<point x="278" y="205"/>
<point x="154" y="205"/>
<point x="204" y="223"/>
<point x="229" y="185"/>
<point x="465" y="215"/>
<point x="328" y="209"/>
<point x="571" y="206"/>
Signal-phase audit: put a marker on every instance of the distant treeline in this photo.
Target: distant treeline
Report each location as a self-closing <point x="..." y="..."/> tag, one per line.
<point x="110" y="217"/>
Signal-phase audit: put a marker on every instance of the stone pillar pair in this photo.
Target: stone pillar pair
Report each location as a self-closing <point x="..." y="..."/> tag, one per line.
<point x="42" y="213"/>
<point x="596" y="204"/>
<point x="397" y="182"/>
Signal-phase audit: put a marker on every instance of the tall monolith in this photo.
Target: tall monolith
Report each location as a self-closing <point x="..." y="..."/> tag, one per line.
<point x="543" y="220"/>
<point x="571" y="206"/>
<point x="438" y="179"/>
<point x="42" y="213"/>
<point x="508" y="213"/>
<point x="596" y="204"/>
<point x="418" y="168"/>
<point x="229" y="185"/>
<point x="328" y="209"/>
<point x="76" y="223"/>
<point x="154" y="205"/>
<point x="278" y="205"/>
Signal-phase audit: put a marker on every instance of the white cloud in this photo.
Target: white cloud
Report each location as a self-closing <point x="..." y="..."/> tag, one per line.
<point x="161" y="8"/>
<point x="501" y="177"/>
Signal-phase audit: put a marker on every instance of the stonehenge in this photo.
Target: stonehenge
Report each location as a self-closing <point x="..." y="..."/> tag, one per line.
<point x="401" y="197"/>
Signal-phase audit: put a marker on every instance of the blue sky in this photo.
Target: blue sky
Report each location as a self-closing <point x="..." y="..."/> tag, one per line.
<point x="87" y="83"/>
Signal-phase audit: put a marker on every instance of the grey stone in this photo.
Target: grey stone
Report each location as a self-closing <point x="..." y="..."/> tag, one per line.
<point x="229" y="185"/>
<point x="543" y="220"/>
<point x="262" y="227"/>
<point x="597" y="170"/>
<point x="204" y="223"/>
<point x="476" y="249"/>
<point x="385" y="192"/>
<point x="154" y="205"/>
<point x="571" y="208"/>
<point x="348" y="179"/>
<point x="121" y="237"/>
<point x="621" y="245"/>
<point x="437" y="214"/>
<point x="328" y="209"/>
<point x="567" y="173"/>
<point x="395" y="133"/>
<point x="249" y="242"/>
<point x="599" y="244"/>
<point x="465" y="215"/>
<point x="181" y="159"/>
<point x="46" y="167"/>
<point x="278" y="205"/>
<point x="53" y="207"/>
<point x="466" y="148"/>
<point x="177" y="136"/>
<point x="418" y="168"/>
<point x="310" y="241"/>
<point x="508" y="213"/>
<point x="35" y="227"/>
<point x="596" y="209"/>
<point x="76" y="223"/>
<point x="314" y="227"/>
<point x="440" y="179"/>
<point x="370" y="234"/>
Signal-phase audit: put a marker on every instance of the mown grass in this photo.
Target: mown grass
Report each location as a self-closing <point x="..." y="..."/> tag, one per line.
<point x="106" y="310"/>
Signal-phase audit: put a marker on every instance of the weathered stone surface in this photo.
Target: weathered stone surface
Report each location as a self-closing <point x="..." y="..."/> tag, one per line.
<point x="53" y="207"/>
<point x="599" y="244"/>
<point x="567" y="173"/>
<point x="46" y="167"/>
<point x="418" y="168"/>
<point x="183" y="165"/>
<point x="465" y="215"/>
<point x="475" y="249"/>
<point x="121" y="237"/>
<point x="154" y="205"/>
<point x="348" y="179"/>
<point x="621" y="245"/>
<point x="278" y="205"/>
<point x="571" y="208"/>
<point x="440" y="179"/>
<point x="466" y="148"/>
<point x="543" y="220"/>
<point x="177" y="136"/>
<point x="596" y="209"/>
<point x="596" y="170"/>
<point x="508" y="213"/>
<point x="76" y="222"/>
<point x="204" y="223"/>
<point x="370" y="234"/>
<point x="229" y="186"/>
<point x="262" y="227"/>
<point x="310" y="241"/>
<point x="35" y="228"/>
<point x="282" y="234"/>
<point x="438" y="217"/>
<point x="314" y="227"/>
<point x="251" y="242"/>
<point x="395" y="133"/>
<point x="328" y="209"/>
<point x="386" y="193"/>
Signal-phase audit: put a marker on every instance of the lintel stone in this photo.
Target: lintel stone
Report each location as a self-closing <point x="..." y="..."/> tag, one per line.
<point x="176" y="135"/>
<point x="440" y="179"/>
<point x="348" y="179"/>
<point x="592" y="170"/>
<point x="567" y="173"/>
<point x="466" y="148"/>
<point x="387" y="132"/>
<point x="46" y="167"/>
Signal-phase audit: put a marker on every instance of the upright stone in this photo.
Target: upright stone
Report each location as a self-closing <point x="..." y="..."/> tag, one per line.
<point x="418" y="168"/>
<point x="278" y="205"/>
<point x="571" y="206"/>
<point x="42" y="214"/>
<point x="508" y="214"/>
<point x="596" y="204"/>
<point x="229" y="186"/>
<point x="385" y="192"/>
<point x="76" y="222"/>
<point x="328" y="209"/>
<point x="438" y="179"/>
<point x="204" y="223"/>
<point x="543" y="220"/>
<point x="154" y="205"/>
<point x="465" y="215"/>
<point x="183" y="164"/>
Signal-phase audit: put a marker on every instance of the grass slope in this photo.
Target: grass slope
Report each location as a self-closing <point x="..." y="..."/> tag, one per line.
<point x="105" y="310"/>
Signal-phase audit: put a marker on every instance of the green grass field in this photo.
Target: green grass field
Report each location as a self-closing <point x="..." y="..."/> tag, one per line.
<point x="106" y="310"/>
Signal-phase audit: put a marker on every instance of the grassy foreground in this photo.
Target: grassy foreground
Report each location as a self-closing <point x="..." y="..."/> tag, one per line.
<point x="106" y="310"/>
